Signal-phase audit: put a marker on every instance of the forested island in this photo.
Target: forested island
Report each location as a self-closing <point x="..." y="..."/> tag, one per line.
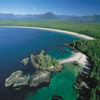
<point x="42" y="61"/>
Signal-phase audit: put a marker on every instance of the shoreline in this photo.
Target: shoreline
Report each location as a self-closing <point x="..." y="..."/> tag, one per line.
<point x="55" y="30"/>
<point x="78" y="57"/>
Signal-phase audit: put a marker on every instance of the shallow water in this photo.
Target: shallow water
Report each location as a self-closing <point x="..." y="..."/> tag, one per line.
<point x="17" y="43"/>
<point x="61" y="85"/>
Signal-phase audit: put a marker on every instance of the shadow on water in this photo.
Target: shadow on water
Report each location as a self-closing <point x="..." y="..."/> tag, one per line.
<point x="56" y="97"/>
<point x="21" y="92"/>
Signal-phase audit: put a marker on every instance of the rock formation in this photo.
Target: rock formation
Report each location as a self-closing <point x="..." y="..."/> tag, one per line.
<point x="44" y="65"/>
<point x="21" y="81"/>
<point x="12" y="78"/>
<point x="38" y="78"/>
<point x="17" y="79"/>
<point x="25" y="61"/>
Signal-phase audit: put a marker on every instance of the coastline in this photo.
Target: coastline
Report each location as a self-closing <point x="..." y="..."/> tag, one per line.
<point x="55" y="30"/>
<point x="78" y="57"/>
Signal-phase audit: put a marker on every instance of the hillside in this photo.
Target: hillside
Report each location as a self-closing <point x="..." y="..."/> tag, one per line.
<point x="48" y="16"/>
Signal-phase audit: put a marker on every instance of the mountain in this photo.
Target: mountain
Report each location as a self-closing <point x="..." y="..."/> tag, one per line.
<point x="12" y="16"/>
<point x="52" y="16"/>
<point x="69" y="17"/>
<point x="48" y="16"/>
<point x="94" y="18"/>
<point x="6" y="16"/>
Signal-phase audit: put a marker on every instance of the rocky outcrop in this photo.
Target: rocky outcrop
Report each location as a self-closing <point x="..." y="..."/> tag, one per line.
<point x="12" y="78"/>
<point x="17" y="79"/>
<point x="33" y="61"/>
<point x="25" y="61"/>
<point x="21" y="81"/>
<point x="38" y="78"/>
<point x="37" y="66"/>
<point x="44" y="66"/>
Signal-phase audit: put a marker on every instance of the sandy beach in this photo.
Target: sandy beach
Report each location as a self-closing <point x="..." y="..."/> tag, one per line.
<point x="79" y="57"/>
<point x="56" y="30"/>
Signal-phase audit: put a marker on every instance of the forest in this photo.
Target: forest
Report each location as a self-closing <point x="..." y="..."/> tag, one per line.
<point x="92" y="49"/>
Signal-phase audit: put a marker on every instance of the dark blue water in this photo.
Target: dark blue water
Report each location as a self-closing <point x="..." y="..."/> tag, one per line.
<point x="17" y="43"/>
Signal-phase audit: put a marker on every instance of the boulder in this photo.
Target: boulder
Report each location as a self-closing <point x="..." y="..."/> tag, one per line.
<point x="25" y="61"/>
<point x="84" y="84"/>
<point x="21" y="81"/>
<point x="39" y="77"/>
<point x="13" y="77"/>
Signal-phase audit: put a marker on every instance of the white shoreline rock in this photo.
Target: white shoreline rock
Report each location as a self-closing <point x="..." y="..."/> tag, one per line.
<point x="25" y="61"/>
<point x="21" y="81"/>
<point x="39" y="77"/>
<point x="16" y="79"/>
<point x="12" y="78"/>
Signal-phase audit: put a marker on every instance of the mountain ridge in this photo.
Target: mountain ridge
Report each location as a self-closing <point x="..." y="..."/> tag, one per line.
<point x="51" y="16"/>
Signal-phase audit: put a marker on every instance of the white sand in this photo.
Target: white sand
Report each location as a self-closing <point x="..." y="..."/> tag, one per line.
<point x="56" y="30"/>
<point x="80" y="58"/>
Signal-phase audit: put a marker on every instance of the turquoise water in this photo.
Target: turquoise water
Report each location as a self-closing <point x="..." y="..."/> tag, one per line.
<point x="17" y="43"/>
<point x="61" y="85"/>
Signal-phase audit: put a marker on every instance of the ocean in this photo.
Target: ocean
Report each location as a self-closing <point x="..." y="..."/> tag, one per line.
<point x="18" y="43"/>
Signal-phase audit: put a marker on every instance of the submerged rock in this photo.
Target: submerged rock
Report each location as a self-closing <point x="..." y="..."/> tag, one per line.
<point x="39" y="77"/>
<point x="13" y="77"/>
<point x="56" y="97"/>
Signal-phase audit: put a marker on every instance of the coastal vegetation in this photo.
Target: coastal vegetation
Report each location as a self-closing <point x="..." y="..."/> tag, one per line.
<point x="41" y="60"/>
<point x="92" y="49"/>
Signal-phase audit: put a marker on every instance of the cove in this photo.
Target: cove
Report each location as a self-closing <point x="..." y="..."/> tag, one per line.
<point x="17" y="43"/>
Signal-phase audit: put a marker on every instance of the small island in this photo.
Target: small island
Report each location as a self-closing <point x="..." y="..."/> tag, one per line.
<point x="44" y="66"/>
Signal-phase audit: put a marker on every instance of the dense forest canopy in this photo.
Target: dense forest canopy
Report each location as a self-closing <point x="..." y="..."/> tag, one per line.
<point x="41" y="60"/>
<point x="92" y="49"/>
